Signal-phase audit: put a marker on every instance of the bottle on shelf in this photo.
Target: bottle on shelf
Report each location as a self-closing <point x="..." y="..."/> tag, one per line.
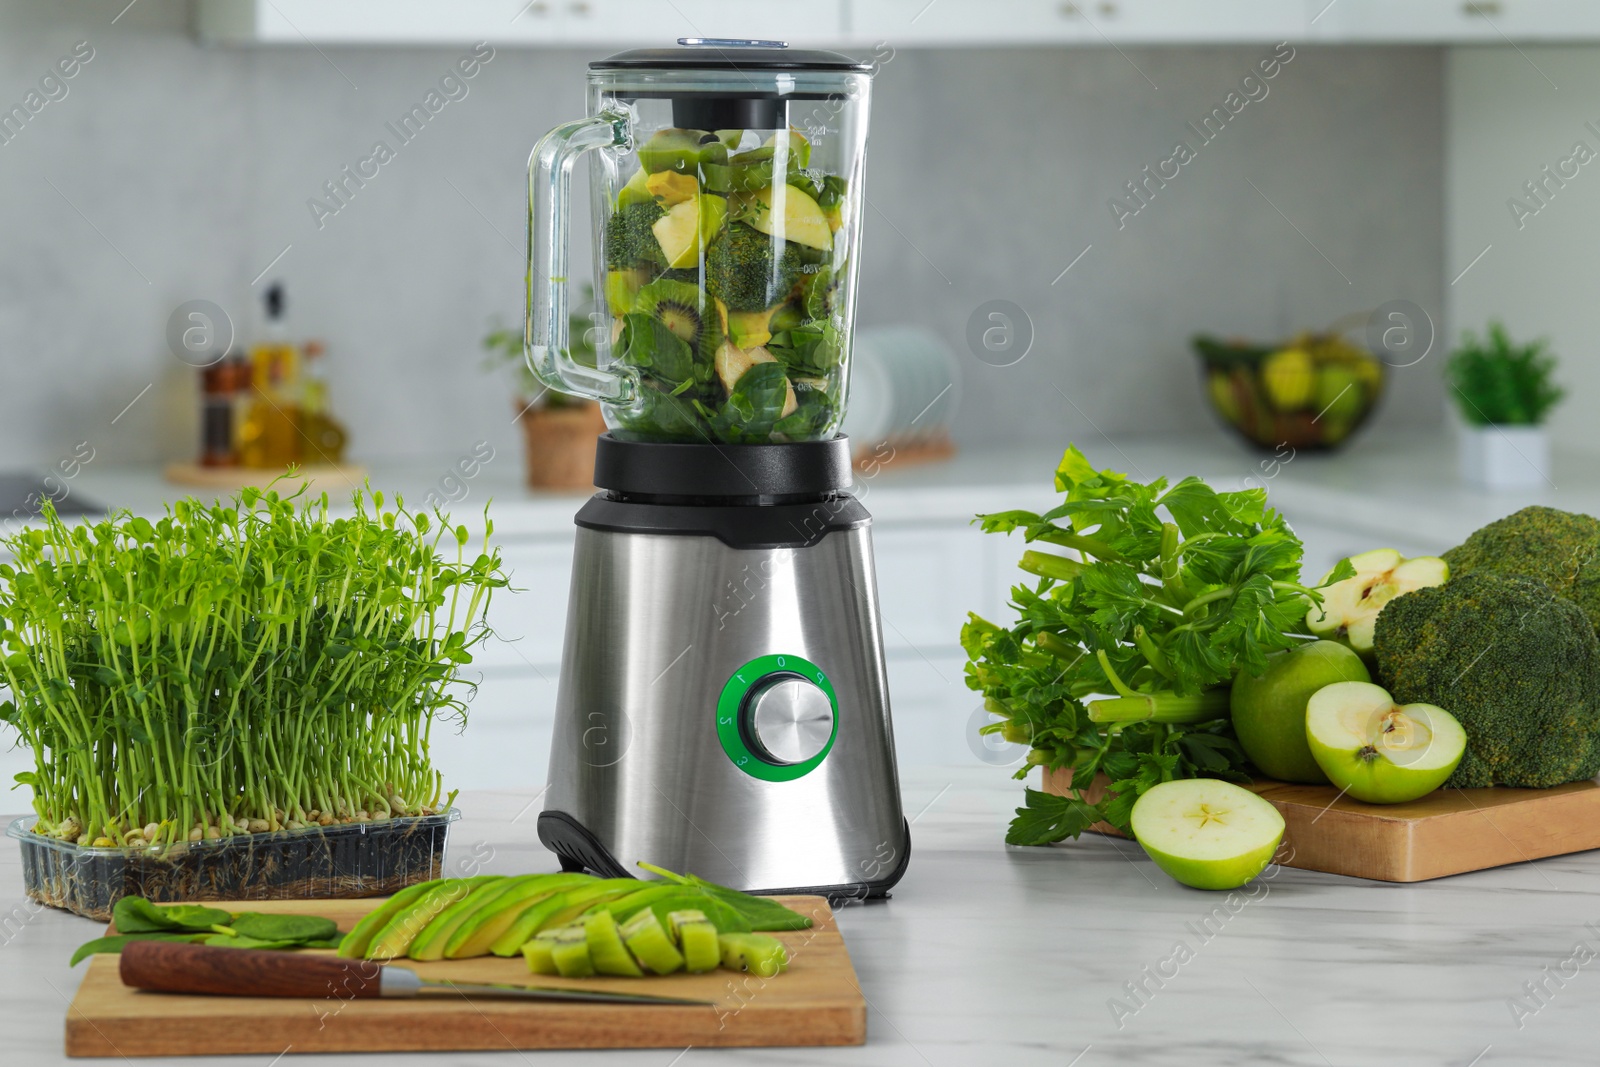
<point x="269" y="436"/>
<point x="322" y="437"/>
<point x="220" y="385"/>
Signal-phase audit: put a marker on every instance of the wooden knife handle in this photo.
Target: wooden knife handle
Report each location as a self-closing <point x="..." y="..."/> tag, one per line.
<point x="180" y="967"/>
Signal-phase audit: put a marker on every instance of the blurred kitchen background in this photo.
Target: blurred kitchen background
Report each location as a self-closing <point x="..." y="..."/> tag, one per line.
<point x="1372" y="175"/>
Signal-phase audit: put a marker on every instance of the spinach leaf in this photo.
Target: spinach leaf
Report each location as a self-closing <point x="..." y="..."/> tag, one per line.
<point x="290" y="928"/>
<point x="134" y="915"/>
<point x="753" y="408"/>
<point x="115" y="942"/>
<point x="648" y="344"/>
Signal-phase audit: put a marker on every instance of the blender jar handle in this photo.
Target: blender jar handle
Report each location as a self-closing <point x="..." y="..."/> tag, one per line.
<point x="549" y="190"/>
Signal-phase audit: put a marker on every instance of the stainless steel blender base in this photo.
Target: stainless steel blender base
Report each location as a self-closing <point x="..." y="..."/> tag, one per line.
<point x="687" y="723"/>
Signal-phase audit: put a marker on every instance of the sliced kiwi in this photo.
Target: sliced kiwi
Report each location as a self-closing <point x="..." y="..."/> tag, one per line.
<point x="682" y="308"/>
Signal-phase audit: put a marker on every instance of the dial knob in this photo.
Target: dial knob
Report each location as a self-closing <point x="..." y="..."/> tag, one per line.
<point x="788" y="719"/>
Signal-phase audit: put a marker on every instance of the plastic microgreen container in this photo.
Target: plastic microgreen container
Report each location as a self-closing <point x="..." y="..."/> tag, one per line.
<point x="315" y="863"/>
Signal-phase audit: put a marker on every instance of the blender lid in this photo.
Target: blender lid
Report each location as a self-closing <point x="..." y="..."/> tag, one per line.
<point x="714" y="53"/>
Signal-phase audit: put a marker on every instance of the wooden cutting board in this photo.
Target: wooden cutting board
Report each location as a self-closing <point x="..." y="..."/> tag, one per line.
<point x="1449" y="831"/>
<point x="815" y="1002"/>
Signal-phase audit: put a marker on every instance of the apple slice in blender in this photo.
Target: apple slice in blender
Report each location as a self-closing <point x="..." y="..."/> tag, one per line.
<point x="1379" y="751"/>
<point x="1350" y="607"/>
<point x="1207" y="833"/>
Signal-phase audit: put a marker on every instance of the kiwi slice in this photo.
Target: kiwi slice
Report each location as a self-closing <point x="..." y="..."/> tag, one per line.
<point x="684" y="310"/>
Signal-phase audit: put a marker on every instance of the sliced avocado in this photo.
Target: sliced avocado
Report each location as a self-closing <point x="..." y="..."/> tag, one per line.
<point x="430" y="943"/>
<point x="473" y="937"/>
<point x="671" y="149"/>
<point x="354" y="945"/>
<point x="669" y="187"/>
<point x="394" y="940"/>
<point x="606" y="949"/>
<point x="635" y="191"/>
<point x="748" y="329"/>
<point x="568" y="904"/>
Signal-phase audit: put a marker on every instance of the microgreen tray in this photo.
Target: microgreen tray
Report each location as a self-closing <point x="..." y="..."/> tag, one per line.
<point x="318" y="863"/>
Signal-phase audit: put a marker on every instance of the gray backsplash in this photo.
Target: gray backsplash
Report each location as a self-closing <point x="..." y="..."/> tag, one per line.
<point x="171" y="172"/>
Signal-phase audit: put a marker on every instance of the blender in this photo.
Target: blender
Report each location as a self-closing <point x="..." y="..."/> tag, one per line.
<point x="722" y="708"/>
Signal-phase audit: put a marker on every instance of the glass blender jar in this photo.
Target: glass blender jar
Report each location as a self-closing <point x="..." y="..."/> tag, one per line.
<point x="727" y="212"/>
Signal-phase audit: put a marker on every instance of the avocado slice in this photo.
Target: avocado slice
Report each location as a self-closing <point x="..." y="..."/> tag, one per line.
<point x="669" y="187"/>
<point x="749" y="329"/>
<point x="354" y="945"/>
<point x="430" y="943"/>
<point x="558" y="910"/>
<point x="483" y="927"/>
<point x="394" y="940"/>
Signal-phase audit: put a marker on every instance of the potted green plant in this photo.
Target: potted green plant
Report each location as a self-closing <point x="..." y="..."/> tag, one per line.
<point x="1504" y="392"/>
<point x="233" y="701"/>
<point x="559" y="431"/>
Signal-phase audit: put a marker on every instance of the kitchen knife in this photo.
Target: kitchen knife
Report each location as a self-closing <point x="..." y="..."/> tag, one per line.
<point x="181" y="967"/>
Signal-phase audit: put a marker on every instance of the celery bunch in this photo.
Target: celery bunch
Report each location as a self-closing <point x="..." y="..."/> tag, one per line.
<point x="1121" y="656"/>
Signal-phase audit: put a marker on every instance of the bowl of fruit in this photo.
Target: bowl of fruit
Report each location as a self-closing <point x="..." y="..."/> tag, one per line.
<point x="1311" y="392"/>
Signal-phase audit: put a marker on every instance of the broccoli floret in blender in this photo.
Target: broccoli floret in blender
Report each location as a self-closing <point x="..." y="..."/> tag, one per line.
<point x="748" y="271"/>
<point x="629" y="239"/>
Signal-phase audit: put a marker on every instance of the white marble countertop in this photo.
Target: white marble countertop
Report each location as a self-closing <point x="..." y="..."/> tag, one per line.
<point x="990" y="955"/>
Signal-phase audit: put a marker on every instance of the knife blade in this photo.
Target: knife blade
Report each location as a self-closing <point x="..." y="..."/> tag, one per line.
<point x="181" y="967"/>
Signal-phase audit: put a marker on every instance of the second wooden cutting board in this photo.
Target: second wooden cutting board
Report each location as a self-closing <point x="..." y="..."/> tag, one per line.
<point x="1449" y="831"/>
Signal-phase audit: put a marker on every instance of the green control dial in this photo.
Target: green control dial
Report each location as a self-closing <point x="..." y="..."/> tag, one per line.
<point x="777" y="717"/>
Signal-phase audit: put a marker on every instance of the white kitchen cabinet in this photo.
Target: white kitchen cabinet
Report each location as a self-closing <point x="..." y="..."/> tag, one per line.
<point x="600" y="23"/>
<point x="932" y="707"/>
<point x="963" y="22"/>
<point x="659" y="22"/>
<point x="381" y="22"/>
<point x="1454" y="21"/>
<point x="1091" y="22"/>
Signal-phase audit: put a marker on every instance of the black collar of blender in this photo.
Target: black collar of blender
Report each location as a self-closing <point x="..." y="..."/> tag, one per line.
<point x="706" y="472"/>
<point x="730" y="58"/>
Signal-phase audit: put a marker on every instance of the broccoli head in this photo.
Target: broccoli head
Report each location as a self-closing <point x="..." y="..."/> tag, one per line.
<point x="629" y="238"/>
<point x="1559" y="548"/>
<point x="1516" y="664"/>
<point x="748" y="271"/>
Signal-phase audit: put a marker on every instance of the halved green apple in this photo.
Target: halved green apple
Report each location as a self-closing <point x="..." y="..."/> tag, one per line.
<point x="687" y="227"/>
<point x="1379" y="751"/>
<point x="1207" y="833"/>
<point x="1350" y="607"/>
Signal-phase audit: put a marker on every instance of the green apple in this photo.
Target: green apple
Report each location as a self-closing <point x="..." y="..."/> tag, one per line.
<point x="1350" y="607"/>
<point x="1207" y="833"/>
<point x="1269" y="711"/>
<point x="1377" y="750"/>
